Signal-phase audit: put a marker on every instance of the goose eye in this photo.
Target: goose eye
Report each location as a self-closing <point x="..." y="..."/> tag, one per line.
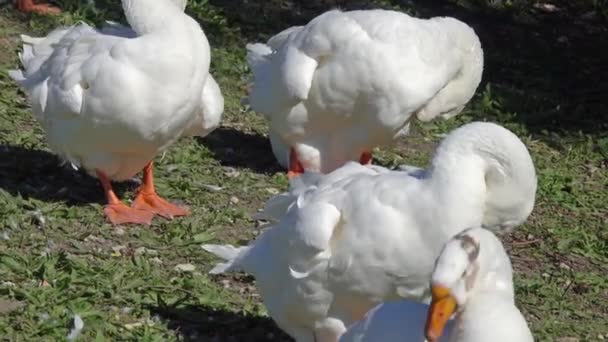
<point x="464" y="274"/>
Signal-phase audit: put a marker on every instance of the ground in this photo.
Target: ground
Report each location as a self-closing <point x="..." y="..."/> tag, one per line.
<point x="544" y="79"/>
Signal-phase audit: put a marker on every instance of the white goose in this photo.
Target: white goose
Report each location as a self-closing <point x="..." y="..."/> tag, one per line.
<point x="472" y="278"/>
<point x="350" y="81"/>
<point x="360" y="236"/>
<point x="111" y="100"/>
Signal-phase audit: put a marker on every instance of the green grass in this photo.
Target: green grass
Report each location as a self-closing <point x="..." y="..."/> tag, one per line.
<point x="58" y="256"/>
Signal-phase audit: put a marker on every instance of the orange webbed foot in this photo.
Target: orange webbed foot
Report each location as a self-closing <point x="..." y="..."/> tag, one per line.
<point x="122" y="214"/>
<point x="116" y="211"/>
<point x="148" y="200"/>
<point x="152" y="203"/>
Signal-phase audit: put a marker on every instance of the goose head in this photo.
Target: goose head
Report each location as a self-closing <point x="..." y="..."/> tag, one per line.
<point x="471" y="262"/>
<point x="453" y="97"/>
<point x="490" y="167"/>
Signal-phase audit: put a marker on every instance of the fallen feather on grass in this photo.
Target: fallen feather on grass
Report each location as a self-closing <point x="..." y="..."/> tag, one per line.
<point x="212" y="188"/>
<point x="145" y="251"/>
<point x="185" y="267"/>
<point x="78" y="326"/>
<point x="272" y="191"/>
<point x="131" y="326"/>
<point x="231" y="172"/>
<point x="117" y="250"/>
<point x="43" y="317"/>
<point x="38" y="218"/>
<point x="156" y="260"/>
<point x="149" y="322"/>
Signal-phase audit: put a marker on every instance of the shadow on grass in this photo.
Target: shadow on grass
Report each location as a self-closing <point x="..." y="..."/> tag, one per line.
<point x="209" y="325"/>
<point x="262" y="19"/>
<point x="546" y="63"/>
<point x="39" y="174"/>
<point x="241" y="150"/>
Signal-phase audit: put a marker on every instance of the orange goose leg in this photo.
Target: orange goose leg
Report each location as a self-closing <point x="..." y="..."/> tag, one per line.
<point x="148" y="200"/>
<point x="118" y="212"/>
<point x="366" y="158"/>
<point x="29" y="6"/>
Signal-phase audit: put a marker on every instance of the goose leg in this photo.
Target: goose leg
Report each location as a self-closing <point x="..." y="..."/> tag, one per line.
<point x="366" y="158"/>
<point x="118" y="212"/>
<point x="295" y="167"/>
<point x="43" y="8"/>
<point x="148" y="200"/>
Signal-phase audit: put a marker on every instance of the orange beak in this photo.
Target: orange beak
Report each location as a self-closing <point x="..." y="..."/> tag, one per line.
<point x="295" y="167"/>
<point x="292" y="174"/>
<point x="442" y="308"/>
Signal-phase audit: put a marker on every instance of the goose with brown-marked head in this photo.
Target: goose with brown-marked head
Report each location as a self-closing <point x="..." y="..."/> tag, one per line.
<point x="472" y="282"/>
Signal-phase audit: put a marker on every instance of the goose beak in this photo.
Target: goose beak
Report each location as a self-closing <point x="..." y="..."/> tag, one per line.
<point x="442" y="307"/>
<point x="295" y="166"/>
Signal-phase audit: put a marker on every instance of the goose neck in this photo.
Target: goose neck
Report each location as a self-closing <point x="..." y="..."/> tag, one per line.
<point x="145" y="16"/>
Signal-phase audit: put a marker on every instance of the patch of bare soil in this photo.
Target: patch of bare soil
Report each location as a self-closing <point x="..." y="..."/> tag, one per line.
<point x="7" y="306"/>
<point x="10" y="28"/>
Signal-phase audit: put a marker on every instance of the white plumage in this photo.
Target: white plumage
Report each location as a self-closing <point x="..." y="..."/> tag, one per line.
<point x="350" y="81"/>
<point x="396" y="321"/>
<point x="474" y="272"/>
<point x="359" y="236"/>
<point x="481" y="284"/>
<point x="110" y="100"/>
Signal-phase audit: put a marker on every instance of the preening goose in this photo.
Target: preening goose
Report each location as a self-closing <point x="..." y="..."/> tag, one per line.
<point x="110" y="100"/>
<point x="359" y="236"/>
<point x="350" y="81"/>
